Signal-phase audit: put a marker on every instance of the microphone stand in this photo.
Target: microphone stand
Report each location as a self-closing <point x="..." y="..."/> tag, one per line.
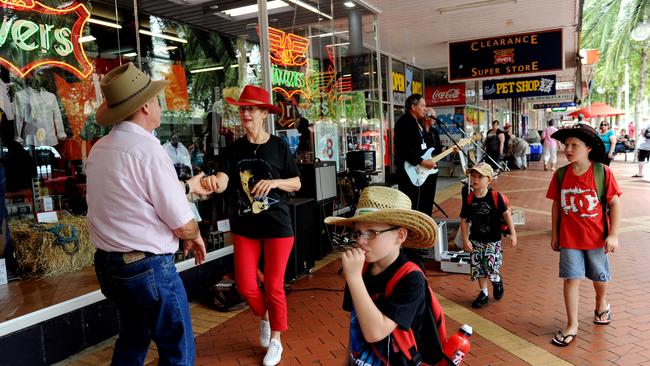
<point x="478" y="146"/>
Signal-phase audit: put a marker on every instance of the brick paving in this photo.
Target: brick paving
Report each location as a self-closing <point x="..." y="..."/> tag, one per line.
<point x="531" y="311"/>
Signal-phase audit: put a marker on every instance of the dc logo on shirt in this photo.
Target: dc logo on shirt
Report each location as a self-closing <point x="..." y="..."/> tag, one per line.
<point x="583" y="202"/>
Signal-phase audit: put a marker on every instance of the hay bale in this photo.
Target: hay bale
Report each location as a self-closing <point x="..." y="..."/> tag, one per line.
<point x="38" y="254"/>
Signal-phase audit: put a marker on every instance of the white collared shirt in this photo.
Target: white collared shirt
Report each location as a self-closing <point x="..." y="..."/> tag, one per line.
<point x="134" y="198"/>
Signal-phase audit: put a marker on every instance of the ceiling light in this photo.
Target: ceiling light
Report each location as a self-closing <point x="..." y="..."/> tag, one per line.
<point x="162" y="49"/>
<point x="328" y="34"/>
<point x="215" y="68"/>
<point x="163" y="36"/>
<point x="250" y="9"/>
<point x="130" y="54"/>
<point x="87" y="38"/>
<point x="104" y="23"/>
<point x="233" y="66"/>
<point x="310" y="8"/>
<point x="474" y="5"/>
<point x="338" y="44"/>
<point x="349" y="4"/>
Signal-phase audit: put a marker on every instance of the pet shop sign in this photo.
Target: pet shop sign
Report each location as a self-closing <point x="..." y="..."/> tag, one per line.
<point x="34" y="35"/>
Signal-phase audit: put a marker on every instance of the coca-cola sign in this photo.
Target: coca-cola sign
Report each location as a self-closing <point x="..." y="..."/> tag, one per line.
<point x="445" y="95"/>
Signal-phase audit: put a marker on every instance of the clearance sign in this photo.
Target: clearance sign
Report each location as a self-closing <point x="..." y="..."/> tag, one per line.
<point x="520" y="87"/>
<point x="502" y="56"/>
<point x="33" y="35"/>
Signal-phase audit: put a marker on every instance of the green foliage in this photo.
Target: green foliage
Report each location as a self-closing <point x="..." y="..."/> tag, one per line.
<point x="607" y="26"/>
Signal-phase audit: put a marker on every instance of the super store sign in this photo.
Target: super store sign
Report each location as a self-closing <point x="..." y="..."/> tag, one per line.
<point x="33" y="35"/>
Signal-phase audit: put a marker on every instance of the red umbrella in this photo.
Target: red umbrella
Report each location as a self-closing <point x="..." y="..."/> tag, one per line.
<point x="597" y="110"/>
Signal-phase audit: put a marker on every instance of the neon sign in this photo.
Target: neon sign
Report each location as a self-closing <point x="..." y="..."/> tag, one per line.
<point x="29" y="40"/>
<point x="287" y="49"/>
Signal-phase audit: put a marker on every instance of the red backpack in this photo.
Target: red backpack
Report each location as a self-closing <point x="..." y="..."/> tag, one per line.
<point x="495" y="199"/>
<point x="433" y="335"/>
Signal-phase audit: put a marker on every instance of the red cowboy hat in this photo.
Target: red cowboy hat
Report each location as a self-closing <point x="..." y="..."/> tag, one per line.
<point x="254" y="96"/>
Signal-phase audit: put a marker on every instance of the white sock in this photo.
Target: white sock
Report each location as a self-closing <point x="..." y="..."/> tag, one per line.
<point x="485" y="291"/>
<point x="497" y="279"/>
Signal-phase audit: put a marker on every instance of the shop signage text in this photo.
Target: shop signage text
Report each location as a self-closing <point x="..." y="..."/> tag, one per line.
<point x="519" y="87"/>
<point x="416" y="87"/>
<point x="554" y="105"/>
<point x="445" y="95"/>
<point x="506" y="55"/>
<point x="399" y="82"/>
<point x="37" y="35"/>
<point x="288" y="78"/>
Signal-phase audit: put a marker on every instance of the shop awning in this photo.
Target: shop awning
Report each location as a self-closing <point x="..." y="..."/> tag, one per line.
<point x="597" y="110"/>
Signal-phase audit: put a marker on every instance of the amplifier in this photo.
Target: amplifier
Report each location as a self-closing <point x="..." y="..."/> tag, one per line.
<point x="318" y="180"/>
<point x="301" y="259"/>
<point x="362" y="160"/>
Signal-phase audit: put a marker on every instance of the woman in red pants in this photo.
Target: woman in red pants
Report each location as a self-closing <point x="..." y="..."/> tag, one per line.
<point x="258" y="170"/>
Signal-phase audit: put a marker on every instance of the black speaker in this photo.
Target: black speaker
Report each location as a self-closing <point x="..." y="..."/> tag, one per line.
<point x="301" y="259"/>
<point x="323" y="245"/>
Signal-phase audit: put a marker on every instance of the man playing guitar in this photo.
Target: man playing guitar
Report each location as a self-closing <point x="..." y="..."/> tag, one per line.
<point x="410" y="143"/>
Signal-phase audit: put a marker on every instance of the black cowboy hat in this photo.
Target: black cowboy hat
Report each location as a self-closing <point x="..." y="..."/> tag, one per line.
<point x="586" y="134"/>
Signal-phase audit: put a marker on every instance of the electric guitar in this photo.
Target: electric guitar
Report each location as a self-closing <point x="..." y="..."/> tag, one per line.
<point x="418" y="174"/>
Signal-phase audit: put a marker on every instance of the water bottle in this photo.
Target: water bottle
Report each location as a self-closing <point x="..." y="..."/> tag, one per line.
<point x="457" y="345"/>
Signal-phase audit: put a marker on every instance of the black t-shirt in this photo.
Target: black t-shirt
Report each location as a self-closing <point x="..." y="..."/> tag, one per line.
<point x="484" y="216"/>
<point x="492" y="142"/>
<point x="405" y="306"/>
<point x="245" y="164"/>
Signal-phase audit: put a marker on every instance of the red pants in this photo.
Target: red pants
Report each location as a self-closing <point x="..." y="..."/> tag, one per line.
<point x="276" y="256"/>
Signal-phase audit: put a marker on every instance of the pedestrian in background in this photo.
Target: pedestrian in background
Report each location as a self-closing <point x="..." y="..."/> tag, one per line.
<point x="550" y="146"/>
<point x="583" y="230"/>
<point x="609" y="139"/>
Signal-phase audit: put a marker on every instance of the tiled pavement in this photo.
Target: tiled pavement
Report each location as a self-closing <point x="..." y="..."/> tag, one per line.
<point x="513" y="331"/>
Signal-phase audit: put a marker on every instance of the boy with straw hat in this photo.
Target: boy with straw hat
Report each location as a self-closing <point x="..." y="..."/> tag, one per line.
<point x="383" y="223"/>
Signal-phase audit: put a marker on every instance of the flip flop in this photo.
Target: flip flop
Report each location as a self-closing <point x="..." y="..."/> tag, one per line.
<point x="598" y="317"/>
<point x="637" y="176"/>
<point x="560" y="339"/>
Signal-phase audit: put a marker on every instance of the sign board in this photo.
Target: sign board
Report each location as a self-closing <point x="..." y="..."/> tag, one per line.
<point x="445" y="95"/>
<point x="36" y="35"/>
<point x="554" y="105"/>
<point x="507" y="55"/>
<point x="326" y="140"/>
<point x="520" y="87"/>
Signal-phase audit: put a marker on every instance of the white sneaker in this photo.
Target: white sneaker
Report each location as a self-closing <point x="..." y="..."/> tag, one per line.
<point x="273" y="354"/>
<point x="265" y="333"/>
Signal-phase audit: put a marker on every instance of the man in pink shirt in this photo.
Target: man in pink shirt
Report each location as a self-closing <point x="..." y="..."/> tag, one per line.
<point x="137" y="212"/>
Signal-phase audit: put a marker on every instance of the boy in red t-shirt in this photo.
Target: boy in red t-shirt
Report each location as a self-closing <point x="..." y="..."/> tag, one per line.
<point x="578" y="230"/>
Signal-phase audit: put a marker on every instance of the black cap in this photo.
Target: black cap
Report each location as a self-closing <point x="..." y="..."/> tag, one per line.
<point x="586" y="134"/>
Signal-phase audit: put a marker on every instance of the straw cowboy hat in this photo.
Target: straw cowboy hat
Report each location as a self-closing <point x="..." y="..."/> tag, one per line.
<point x="389" y="206"/>
<point x="254" y="96"/>
<point x="125" y="90"/>
<point x="586" y="134"/>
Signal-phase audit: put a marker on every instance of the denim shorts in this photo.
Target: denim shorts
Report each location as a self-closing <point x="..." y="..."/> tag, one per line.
<point x="592" y="264"/>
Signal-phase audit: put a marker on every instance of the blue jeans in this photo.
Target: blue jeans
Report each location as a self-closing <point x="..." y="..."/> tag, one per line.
<point x="151" y="300"/>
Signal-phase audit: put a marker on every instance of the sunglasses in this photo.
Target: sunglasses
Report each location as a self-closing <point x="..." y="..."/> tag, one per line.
<point x="604" y="124"/>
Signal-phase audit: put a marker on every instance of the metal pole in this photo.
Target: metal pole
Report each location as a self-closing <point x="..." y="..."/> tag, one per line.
<point x="263" y="20"/>
<point x="137" y="33"/>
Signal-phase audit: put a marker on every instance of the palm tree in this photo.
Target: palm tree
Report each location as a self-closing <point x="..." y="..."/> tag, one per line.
<point x="607" y="26"/>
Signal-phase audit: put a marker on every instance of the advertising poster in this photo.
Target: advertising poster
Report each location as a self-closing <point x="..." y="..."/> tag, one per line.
<point x="326" y="141"/>
<point x="445" y="95"/>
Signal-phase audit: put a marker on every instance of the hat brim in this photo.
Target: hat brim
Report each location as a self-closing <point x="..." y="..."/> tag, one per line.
<point x="270" y="107"/>
<point x="423" y="231"/>
<point x="107" y="116"/>
<point x="592" y="140"/>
